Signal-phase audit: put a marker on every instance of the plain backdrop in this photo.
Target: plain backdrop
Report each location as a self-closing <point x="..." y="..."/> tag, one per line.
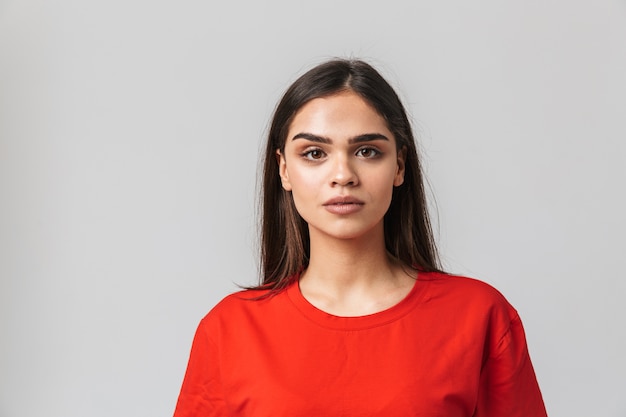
<point x="129" y="141"/>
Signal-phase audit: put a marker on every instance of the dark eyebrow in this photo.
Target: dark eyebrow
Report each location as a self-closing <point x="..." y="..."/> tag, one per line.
<point x="312" y="138"/>
<point x="367" y="137"/>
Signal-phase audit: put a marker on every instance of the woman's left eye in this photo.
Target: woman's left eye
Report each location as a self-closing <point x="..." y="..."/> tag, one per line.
<point x="368" y="152"/>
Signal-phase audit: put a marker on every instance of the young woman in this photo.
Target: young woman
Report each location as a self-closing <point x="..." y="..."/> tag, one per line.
<point x="354" y="316"/>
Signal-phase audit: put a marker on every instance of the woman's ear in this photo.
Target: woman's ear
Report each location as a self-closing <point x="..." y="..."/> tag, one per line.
<point x="282" y="170"/>
<point x="399" y="178"/>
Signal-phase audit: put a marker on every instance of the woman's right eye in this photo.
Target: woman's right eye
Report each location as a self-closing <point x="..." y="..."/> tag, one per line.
<point x="313" y="154"/>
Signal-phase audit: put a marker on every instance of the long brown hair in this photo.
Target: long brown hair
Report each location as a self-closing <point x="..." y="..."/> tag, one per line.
<point x="285" y="245"/>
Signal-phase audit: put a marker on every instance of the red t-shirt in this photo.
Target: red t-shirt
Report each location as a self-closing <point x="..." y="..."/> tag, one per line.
<point x="453" y="347"/>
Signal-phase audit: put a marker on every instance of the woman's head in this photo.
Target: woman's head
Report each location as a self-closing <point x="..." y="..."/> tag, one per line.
<point x="284" y="234"/>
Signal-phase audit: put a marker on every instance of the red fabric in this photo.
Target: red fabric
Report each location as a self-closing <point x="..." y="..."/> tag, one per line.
<point x="453" y="347"/>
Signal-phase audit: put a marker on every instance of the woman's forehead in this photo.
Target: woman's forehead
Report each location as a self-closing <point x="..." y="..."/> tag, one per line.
<point x="345" y="114"/>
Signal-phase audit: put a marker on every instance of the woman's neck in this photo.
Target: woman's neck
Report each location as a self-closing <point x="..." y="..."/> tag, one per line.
<point x="353" y="277"/>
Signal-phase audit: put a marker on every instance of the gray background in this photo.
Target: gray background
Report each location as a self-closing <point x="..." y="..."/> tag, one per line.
<point x="129" y="139"/>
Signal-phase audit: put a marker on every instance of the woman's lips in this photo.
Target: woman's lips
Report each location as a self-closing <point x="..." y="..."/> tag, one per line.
<point x="343" y="205"/>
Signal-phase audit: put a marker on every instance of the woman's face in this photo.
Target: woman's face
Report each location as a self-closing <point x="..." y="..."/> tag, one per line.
<point x="340" y="163"/>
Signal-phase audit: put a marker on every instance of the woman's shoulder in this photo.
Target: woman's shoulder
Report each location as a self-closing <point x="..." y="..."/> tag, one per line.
<point x="474" y="303"/>
<point x="247" y="303"/>
<point x="454" y="282"/>
<point x="465" y="292"/>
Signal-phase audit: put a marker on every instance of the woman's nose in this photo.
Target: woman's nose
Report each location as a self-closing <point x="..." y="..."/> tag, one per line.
<point x="343" y="172"/>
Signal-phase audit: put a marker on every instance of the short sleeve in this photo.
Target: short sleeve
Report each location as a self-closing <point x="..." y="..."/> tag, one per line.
<point x="508" y="385"/>
<point x="201" y="394"/>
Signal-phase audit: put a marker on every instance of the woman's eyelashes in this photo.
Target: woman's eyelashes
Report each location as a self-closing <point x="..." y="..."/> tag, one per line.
<point x="313" y="154"/>
<point x="317" y="154"/>
<point x="368" y="152"/>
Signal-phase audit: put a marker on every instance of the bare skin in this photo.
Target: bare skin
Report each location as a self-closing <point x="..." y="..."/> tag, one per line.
<point x="340" y="147"/>
<point x="344" y="284"/>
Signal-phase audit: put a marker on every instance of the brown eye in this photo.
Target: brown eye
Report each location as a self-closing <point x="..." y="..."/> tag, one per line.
<point x="313" y="154"/>
<point x="368" y="152"/>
